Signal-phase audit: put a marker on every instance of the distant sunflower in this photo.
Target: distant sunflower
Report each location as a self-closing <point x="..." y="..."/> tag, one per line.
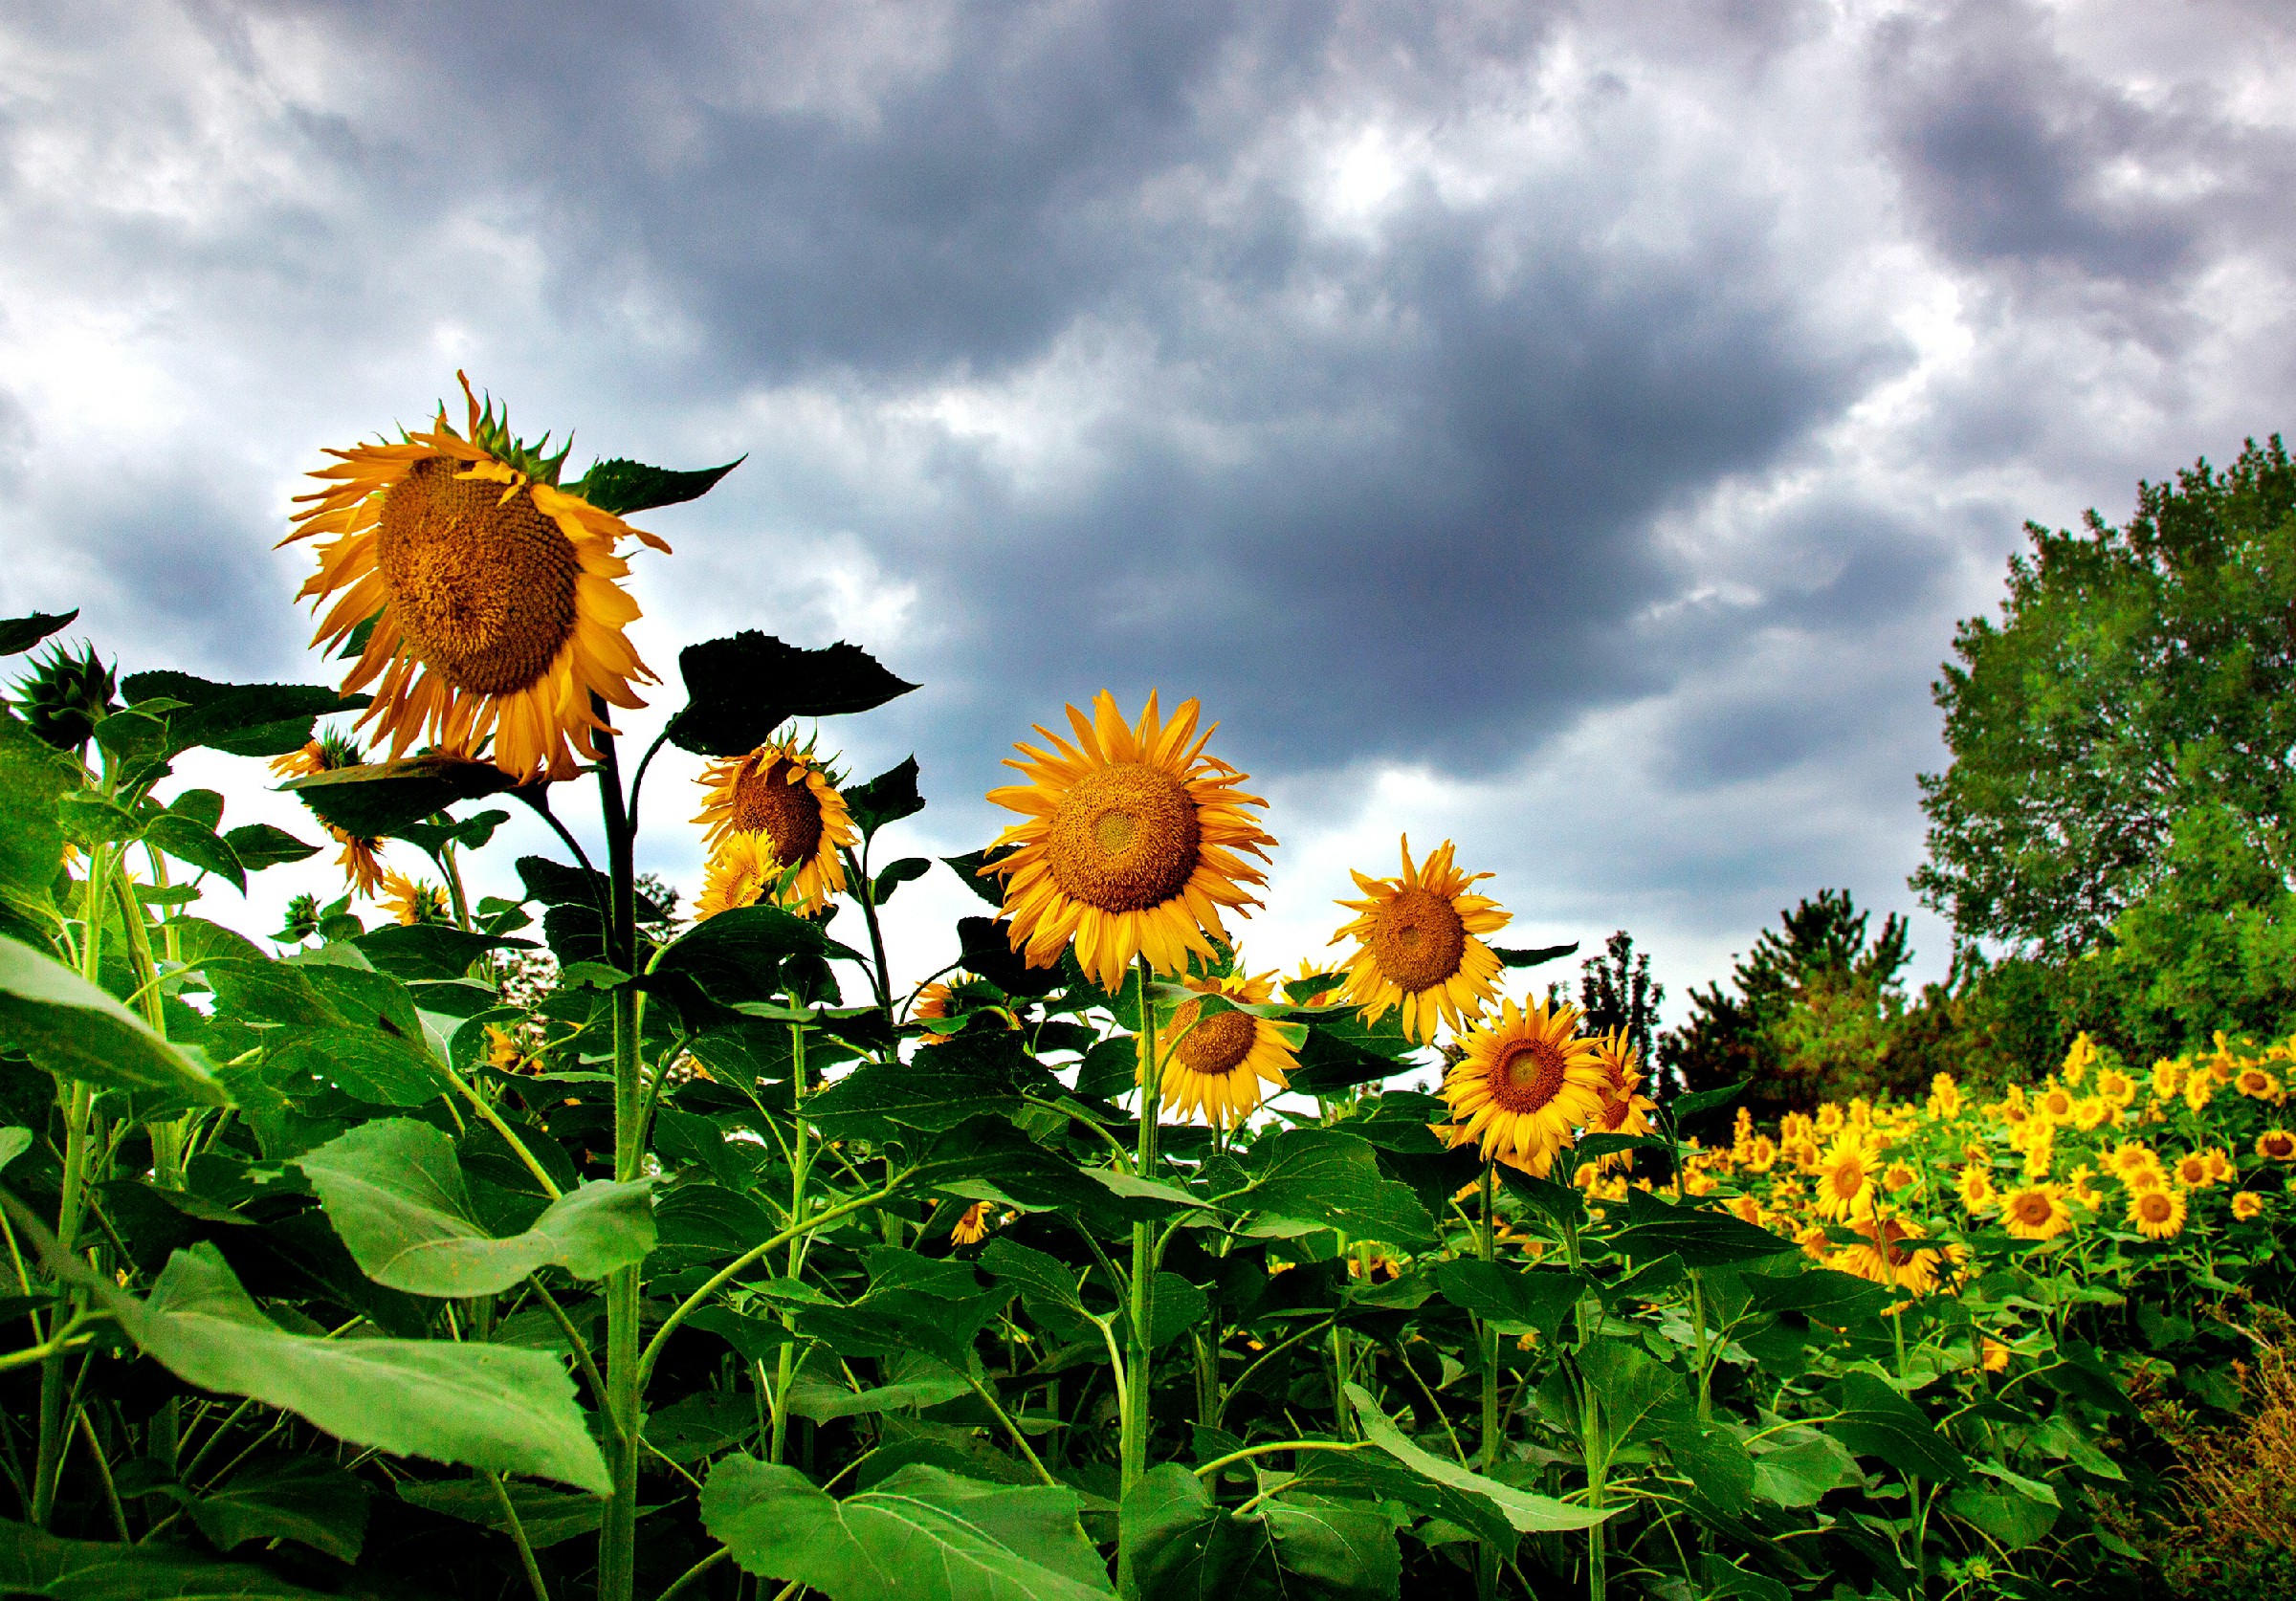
<point x="2218" y="1162"/>
<point x="411" y="901"/>
<point x="362" y="860"/>
<point x="1625" y="1109"/>
<point x="1976" y="1190"/>
<point x="971" y="1228"/>
<point x="740" y="872"/>
<point x="1524" y="1084"/>
<point x="1133" y="841"/>
<point x="2080" y="1185"/>
<point x="2256" y="1084"/>
<point x="2115" y="1087"/>
<point x="1888" y="1256"/>
<point x="2055" y="1103"/>
<point x="2129" y="1159"/>
<point x="1216" y="1065"/>
<point x="2157" y="1214"/>
<point x="495" y="595"/>
<point x="2275" y="1144"/>
<point x="1416" y="946"/>
<point x="1898" y="1176"/>
<point x="1995" y="1357"/>
<point x="781" y="794"/>
<point x="2247" y="1205"/>
<point x="2036" y="1211"/>
<point x="2193" y="1171"/>
<point x="1845" y="1178"/>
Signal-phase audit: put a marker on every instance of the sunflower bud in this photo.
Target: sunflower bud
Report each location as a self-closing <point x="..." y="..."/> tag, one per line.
<point x="66" y="696"/>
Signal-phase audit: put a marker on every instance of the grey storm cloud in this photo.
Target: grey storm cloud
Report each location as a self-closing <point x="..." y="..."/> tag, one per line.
<point x="1491" y="392"/>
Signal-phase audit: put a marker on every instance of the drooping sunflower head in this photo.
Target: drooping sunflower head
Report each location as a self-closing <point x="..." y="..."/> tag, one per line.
<point x="362" y="859"/>
<point x="2036" y="1211"/>
<point x="66" y="695"/>
<point x="1417" y="945"/>
<point x="1215" y="1066"/>
<point x="741" y="871"/>
<point x="1132" y="842"/>
<point x="412" y="901"/>
<point x="972" y="1227"/>
<point x="1525" y="1082"/>
<point x="1845" y="1176"/>
<point x="2157" y="1214"/>
<point x="494" y="596"/>
<point x="2247" y="1205"/>
<point x="783" y="794"/>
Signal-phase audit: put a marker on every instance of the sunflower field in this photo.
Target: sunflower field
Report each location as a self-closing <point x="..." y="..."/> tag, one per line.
<point x="565" y="1245"/>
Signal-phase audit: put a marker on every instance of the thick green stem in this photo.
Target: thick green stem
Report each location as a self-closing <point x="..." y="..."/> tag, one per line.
<point x="1486" y="1566"/>
<point x="1144" y="1254"/>
<point x="617" y="1540"/>
<point x="801" y="1159"/>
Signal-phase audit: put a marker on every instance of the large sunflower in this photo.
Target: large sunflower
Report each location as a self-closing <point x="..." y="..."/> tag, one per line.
<point x="1215" y="1065"/>
<point x="2036" y="1211"/>
<point x="1524" y="1084"/>
<point x="783" y="794"/>
<point x="2157" y="1214"/>
<point x="494" y="594"/>
<point x="1845" y="1176"/>
<point x="1133" y="841"/>
<point x="1417" y="947"/>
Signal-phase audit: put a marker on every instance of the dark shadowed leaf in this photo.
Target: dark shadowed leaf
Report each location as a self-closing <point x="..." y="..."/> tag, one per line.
<point x="990" y="889"/>
<point x="188" y="840"/>
<point x="888" y="797"/>
<point x="1184" y="1546"/>
<point x="1330" y="1179"/>
<point x="33" y="777"/>
<point x="34" y="1563"/>
<point x="548" y="1516"/>
<point x="1513" y="1298"/>
<point x="1877" y="1421"/>
<point x="243" y="719"/>
<point x="381" y="797"/>
<point x="287" y="1497"/>
<point x="1534" y="957"/>
<point x="627" y="487"/>
<point x="258" y="845"/>
<point x="739" y="689"/>
<point x="1701" y="1238"/>
<point x="19" y="634"/>
<point x="1525" y="1513"/>
<point x="429" y="949"/>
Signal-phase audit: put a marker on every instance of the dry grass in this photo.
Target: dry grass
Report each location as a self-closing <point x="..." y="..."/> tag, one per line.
<point x="2239" y="1490"/>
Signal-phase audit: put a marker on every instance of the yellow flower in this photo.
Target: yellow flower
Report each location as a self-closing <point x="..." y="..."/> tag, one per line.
<point x="2080" y="1059"/>
<point x="2245" y="1205"/>
<point x="2275" y="1144"/>
<point x="495" y="595"/>
<point x="2036" y="1211"/>
<point x="2040" y="1156"/>
<point x="1747" y="1209"/>
<point x="2080" y="1185"/>
<point x="741" y="871"/>
<point x="2115" y="1087"/>
<point x="1829" y="1118"/>
<point x="411" y="901"/>
<point x="1813" y="1242"/>
<point x="1976" y="1190"/>
<point x="1416" y="946"/>
<point x="2090" y="1113"/>
<point x="1945" y="1097"/>
<point x="2167" y="1074"/>
<point x="1997" y="1355"/>
<point x="2219" y="1164"/>
<point x="1133" y="841"/>
<point x="2129" y="1159"/>
<point x="1215" y="1065"/>
<point x="1898" y="1176"/>
<point x="2193" y="1170"/>
<point x="1525" y="1082"/>
<point x="781" y="794"/>
<point x="1624" y="1110"/>
<point x="2157" y="1214"/>
<point x="1887" y="1259"/>
<point x="360" y="861"/>
<point x="1761" y="1154"/>
<point x="2256" y="1084"/>
<point x="2197" y="1090"/>
<point x="973" y="1227"/>
<point x="1846" y="1182"/>
<point x="932" y="1005"/>
<point x="2055" y="1103"/>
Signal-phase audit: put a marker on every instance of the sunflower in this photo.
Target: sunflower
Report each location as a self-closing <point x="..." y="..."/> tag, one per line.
<point x="1845" y="1178"/>
<point x="1945" y="1098"/>
<point x="1524" y="1082"/>
<point x="2090" y="1113"/>
<point x="2245" y="1205"/>
<point x="1416" y="946"/>
<point x="2198" y="1090"/>
<point x="1898" y="1176"/>
<point x="1976" y="1190"/>
<point x="2080" y="1185"/>
<point x="1887" y="1259"/>
<point x="493" y="593"/>
<point x="2080" y="1059"/>
<point x="2192" y="1171"/>
<point x="2275" y="1144"/>
<point x="2129" y="1159"/>
<point x="411" y="901"/>
<point x="362" y="860"/>
<point x="781" y="794"/>
<point x="2055" y="1104"/>
<point x="2167" y="1074"/>
<point x="1133" y="840"/>
<point x="1996" y="1357"/>
<point x="972" y="1227"/>
<point x="2036" y="1211"/>
<point x="2219" y="1164"/>
<point x="2157" y="1214"/>
<point x="2256" y="1084"/>
<point x="1215" y="1065"/>
<point x="1761" y="1154"/>
<point x="1624" y="1111"/>
<point x="741" y="871"/>
<point x="2115" y="1087"/>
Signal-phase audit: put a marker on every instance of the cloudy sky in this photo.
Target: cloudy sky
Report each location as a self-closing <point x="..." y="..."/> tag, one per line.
<point x="1572" y="429"/>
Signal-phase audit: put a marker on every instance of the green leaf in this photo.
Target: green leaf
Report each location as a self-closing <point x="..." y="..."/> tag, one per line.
<point x="1822" y="1294"/>
<point x="33" y="777"/>
<point x="381" y="797"/>
<point x="188" y="840"/>
<point x="627" y="487"/>
<point x="13" y="1143"/>
<point x="75" y="1031"/>
<point x="737" y="956"/>
<point x="2032" y="1489"/>
<point x="1643" y="1400"/>
<point x="429" y="949"/>
<point x="888" y="797"/>
<point x="395" y="1194"/>
<point x="257" y="846"/>
<point x="1701" y="1238"/>
<point x="1799" y="1472"/>
<point x="469" y="832"/>
<point x="1684" y="1108"/>
<point x="1329" y="1063"/>
<point x="967" y="867"/>
<point x="1331" y="1179"/>
<point x="1535" y="958"/>
<point x="1877" y="1421"/>
<point x="549" y="1517"/>
<point x="1525" y="1513"/>
<point x="474" y="1405"/>
<point x="2014" y="1521"/>
<point x="939" y="1090"/>
<point x="1183" y="1547"/>
<point x="894" y="874"/>
<point x="740" y="689"/>
<point x="243" y="719"/>
<point x="1033" y="1273"/>
<point x="19" y="634"/>
<point x="386" y="1068"/>
<point x="923" y="1533"/>
<point x="34" y="1563"/>
<point x="555" y="884"/>
<point x="1513" y="1298"/>
<point x="287" y="1497"/>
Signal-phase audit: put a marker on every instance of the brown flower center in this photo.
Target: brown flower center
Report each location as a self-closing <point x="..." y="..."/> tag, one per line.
<point x="484" y="587"/>
<point x="1417" y="939"/>
<point x="1528" y="1074"/>
<point x="2280" y="1145"/>
<point x="1848" y="1178"/>
<point x="2153" y="1206"/>
<point x="1213" y="1045"/>
<point x="789" y="815"/>
<point x="1124" y="839"/>
<point x="2033" y="1207"/>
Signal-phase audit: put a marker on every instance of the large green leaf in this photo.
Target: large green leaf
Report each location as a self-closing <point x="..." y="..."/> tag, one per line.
<point x="374" y="1065"/>
<point x="1643" y="1400"/>
<point x="888" y="797"/>
<point x="1525" y="1513"/>
<point x="395" y="1194"/>
<point x="736" y="956"/>
<point x="1701" y="1238"/>
<point x="381" y="797"/>
<point x="1184" y="1546"/>
<point x="307" y="1499"/>
<point x="627" y="487"/>
<point x="548" y="1516"/>
<point x="1513" y="1298"/>
<point x="258" y="845"/>
<point x="74" y="1030"/>
<point x="33" y="777"/>
<point x="877" y="1098"/>
<point x="921" y="1533"/>
<point x="36" y="1563"/>
<point x="429" y="949"/>
<point x="475" y="1405"/>
<point x="1329" y="1179"/>
<point x="244" y="719"/>
<point x="19" y="634"/>
<point x="739" y="689"/>
<point x="188" y="840"/>
<point x="1877" y="1421"/>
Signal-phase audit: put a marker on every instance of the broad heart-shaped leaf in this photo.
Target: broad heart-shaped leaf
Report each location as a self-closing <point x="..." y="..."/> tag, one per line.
<point x="1820" y="1294"/>
<point x="188" y="840"/>
<point x="920" y="1533"/>
<point x="33" y="777"/>
<point x="1525" y="1513"/>
<point x="555" y="884"/>
<point x="739" y="689"/>
<point x="481" y="1406"/>
<point x="1511" y="1297"/>
<point x="967" y="867"/>
<point x="1534" y="957"/>
<point x="1701" y="1238"/>
<point x="258" y="845"/>
<point x="75" y="1031"/>
<point x="19" y="634"/>
<point x="395" y="1194"/>
<point x="429" y="949"/>
<point x="383" y="797"/>
<point x="243" y="719"/>
<point x="1330" y="1062"/>
<point x="985" y="944"/>
<point x="736" y="956"/>
<point x="1877" y="1421"/>
<point x="1184" y="1546"/>
<point x="287" y="1497"/>
<point x="1330" y="1179"/>
<point x="1643" y="1400"/>
<point x="888" y="797"/>
<point x="35" y="1563"/>
<point x="624" y="487"/>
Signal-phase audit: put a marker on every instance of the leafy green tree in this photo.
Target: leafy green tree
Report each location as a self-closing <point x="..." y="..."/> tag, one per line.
<point x="2123" y="764"/>
<point x="1616" y="992"/>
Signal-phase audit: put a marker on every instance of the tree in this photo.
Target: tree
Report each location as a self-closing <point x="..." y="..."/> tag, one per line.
<point x="2123" y="783"/>
<point x="1616" y="991"/>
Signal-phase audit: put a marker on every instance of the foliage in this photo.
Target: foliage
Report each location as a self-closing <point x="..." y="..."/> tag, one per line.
<point x="1616" y="992"/>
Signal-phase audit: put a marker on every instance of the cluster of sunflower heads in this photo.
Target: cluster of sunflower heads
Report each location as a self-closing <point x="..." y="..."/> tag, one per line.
<point x="66" y="695"/>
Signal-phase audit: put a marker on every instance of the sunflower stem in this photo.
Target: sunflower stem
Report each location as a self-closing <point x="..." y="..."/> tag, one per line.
<point x="1486" y="1563"/>
<point x="1141" y="1319"/>
<point x="617" y="1540"/>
